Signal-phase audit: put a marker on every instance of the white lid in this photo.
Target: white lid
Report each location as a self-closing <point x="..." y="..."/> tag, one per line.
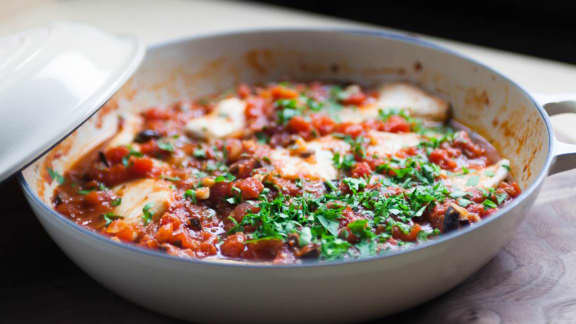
<point x="51" y="80"/>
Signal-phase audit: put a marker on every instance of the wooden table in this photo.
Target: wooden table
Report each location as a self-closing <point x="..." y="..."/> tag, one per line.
<point x="533" y="279"/>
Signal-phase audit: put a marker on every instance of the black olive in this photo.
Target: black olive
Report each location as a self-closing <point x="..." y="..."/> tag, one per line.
<point x="103" y="159"/>
<point x="293" y="239"/>
<point x="306" y="154"/>
<point x="146" y="135"/>
<point x="194" y="223"/>
<point x="451" y="220"/>
<point x="310" y="252"/>
<point x="57" y="200"/>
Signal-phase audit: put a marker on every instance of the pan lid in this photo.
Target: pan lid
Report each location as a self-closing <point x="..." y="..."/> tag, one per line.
<point x="52" y="78"/>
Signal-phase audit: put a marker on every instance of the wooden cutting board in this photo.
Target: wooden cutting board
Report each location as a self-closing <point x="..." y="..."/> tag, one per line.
<point x="532" y="280"/>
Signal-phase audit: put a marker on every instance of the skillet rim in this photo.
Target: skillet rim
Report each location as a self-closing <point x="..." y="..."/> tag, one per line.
<point x="373" y="32"/>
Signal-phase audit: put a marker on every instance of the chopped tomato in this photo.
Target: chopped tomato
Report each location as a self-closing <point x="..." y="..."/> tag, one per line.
<point x="361" y="169"/>
<point x="243" y="91"/>
<point x="220" y="190"/>
<point x="411" y="236"/>
<point x="323" y="124"/>
<point x="157" y="114"/>
<point x="352" y="129"/>
<point x="355" y="99"/>
<point x="264" y="249"/>
<point x="95" y="198"/>
<point x="122" y="230"/>
<point x="250" y="187"/>
<point x="234" y="245"/>
<point x="141" y="167"/>
<point x="116" y="154"/>
<point x="281" y="92"/>
<point x="396" y="124"/>
<point x="299" y="125"/>
<point x="442" y="159"/>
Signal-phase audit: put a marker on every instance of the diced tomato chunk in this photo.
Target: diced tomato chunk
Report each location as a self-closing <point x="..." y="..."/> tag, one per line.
<point x="411" y="236"/>
<point x="361" y="169"/>
<point x="254" y="108"/>
<point x="256" y="112"/>
<point x="280" y="92"/>
<point x="123" y="230"/>
<point x="116" y="154"/>
<point x="164" y="233"/>
<point x="441" y="158"/>
<point x="241" y="210"/>
<point x="205" y="249"/>
<point x="250" y="187"/>
<point x="299" y="125"/>
<point x="356" y="99"/>
<point x="95" y="198"/>
<point x="243" y="168"/>
<point x="150" y="148"/>
<point x="156" y="114"/>
<point x="114" y="175"/>
<point x="243" y="91"/>
<point x="510" y="188"/>
<point x="141" y="166"/>
<point x="351" y="129"/>
<point x="348" y="216"/>
<point x="233" y="149"/>
<point x="265" y="249"/>
<point x="233" y="245"/>
<point x="220" y="190"/>
<point x="396" y="124"/>
<point x="463" y="142"/>
<point x="323" y="124"/>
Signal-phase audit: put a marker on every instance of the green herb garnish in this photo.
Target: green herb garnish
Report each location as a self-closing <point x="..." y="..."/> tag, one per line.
<point x="165" y="146"/>
<point x="116" y="202"/>
<point x="55" y="176"/>
<point x="110" y="217"/>
<point x="147" y="215"/>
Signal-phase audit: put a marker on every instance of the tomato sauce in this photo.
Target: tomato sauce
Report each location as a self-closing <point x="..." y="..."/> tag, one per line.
<point x="284" y="173"/>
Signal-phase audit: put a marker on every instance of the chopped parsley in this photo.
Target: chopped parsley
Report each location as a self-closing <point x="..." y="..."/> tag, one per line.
<point x="171" y="178"/>
<point x="116" y="202"/>
<point x="165" y="146"/>
<point x="345" y="162"/>
<point x="191" y="195"/>
<point x="147" y="215"/>
<point x="489" y="204"/>
<point x="132" y="152"/>
<point x="110" y="217"/>
<point x="227" y="177"/>
<point x="199" y="153"/>
<point x="55" y="176"/>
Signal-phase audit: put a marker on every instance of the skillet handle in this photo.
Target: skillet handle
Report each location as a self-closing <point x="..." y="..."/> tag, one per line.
<point x="564" y="152"/>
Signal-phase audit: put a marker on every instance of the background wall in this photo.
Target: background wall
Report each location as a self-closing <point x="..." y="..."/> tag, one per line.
<point x="541" y="28"/>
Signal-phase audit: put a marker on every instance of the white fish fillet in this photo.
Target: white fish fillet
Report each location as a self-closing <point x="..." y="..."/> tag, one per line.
<point x="227" y="118"/>
<point x="318" y="165"/>
<point x="137" y="193"/>
<point x="400" y="96"/>
<point x="383" y="143"/>
<point x="489" y="177"/>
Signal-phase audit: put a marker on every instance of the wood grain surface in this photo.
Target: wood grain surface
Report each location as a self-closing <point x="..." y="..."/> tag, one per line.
<point x="532" y="280"/>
